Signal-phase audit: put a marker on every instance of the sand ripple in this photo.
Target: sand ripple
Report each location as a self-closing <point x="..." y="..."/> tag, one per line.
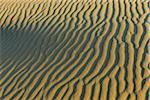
<point x="74" y="49"/>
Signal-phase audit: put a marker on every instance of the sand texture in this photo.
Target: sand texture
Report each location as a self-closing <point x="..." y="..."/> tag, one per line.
<point x="74" y="50"/>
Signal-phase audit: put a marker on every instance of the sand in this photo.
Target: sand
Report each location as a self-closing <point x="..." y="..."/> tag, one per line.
<point x="74" y="50"/>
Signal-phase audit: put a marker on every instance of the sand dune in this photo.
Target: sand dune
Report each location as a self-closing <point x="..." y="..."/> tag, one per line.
<point x="74" y="49"/>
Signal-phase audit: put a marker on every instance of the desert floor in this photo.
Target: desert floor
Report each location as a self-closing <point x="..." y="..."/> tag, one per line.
<point x="74" y="50"/>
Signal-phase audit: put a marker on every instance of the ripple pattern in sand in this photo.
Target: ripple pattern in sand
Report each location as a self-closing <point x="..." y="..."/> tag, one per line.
<point x="74" y="49"/>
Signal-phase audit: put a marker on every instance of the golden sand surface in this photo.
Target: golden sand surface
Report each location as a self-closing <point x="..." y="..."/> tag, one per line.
<point x="74" y="50"/>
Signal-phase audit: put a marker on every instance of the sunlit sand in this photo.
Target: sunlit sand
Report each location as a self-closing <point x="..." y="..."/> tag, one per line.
<point x="74" y="50"/>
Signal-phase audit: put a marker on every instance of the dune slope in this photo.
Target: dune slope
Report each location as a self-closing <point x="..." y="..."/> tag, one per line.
<point x="74" y="49"/>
